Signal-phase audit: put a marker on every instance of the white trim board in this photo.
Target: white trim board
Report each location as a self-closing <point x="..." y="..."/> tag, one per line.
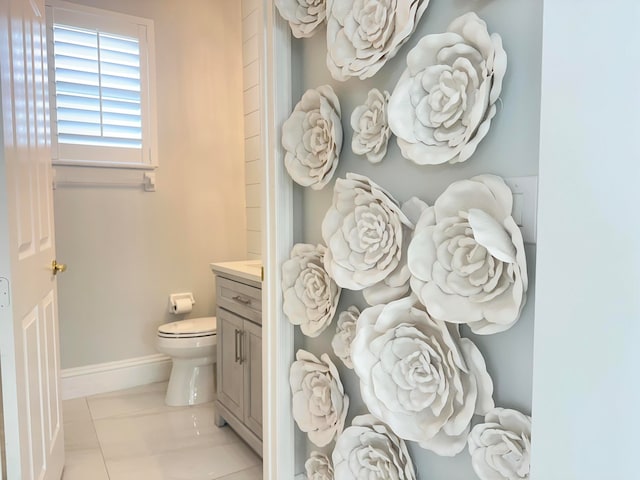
<point x="111" y="376"/>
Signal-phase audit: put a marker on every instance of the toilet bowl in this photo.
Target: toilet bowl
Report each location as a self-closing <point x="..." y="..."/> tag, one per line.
<point x="192" y="346"/>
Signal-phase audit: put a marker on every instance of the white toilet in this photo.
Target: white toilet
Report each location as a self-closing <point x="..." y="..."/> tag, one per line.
<point x="192" y="346"/>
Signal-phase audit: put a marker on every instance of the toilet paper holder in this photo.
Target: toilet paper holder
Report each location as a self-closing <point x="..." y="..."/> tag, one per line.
<point x="178" y="301"/>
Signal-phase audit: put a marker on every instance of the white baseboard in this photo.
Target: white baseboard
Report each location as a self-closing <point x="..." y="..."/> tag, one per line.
<point x="112" y="376"/>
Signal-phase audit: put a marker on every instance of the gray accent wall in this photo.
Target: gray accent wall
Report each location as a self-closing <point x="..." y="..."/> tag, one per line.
<point x="509" y="150"/>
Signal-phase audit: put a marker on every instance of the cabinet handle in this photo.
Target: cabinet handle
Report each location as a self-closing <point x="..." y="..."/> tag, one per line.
<point x="236" y="345"/>
<point x="242" y="300"/>
<point x="241" y="347"/>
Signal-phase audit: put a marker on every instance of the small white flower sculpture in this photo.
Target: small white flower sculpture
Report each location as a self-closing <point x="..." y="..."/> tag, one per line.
<point x="304" y="16"/>
<point x="312" y="138"/>
<point x="310" y="296"/>
<point x="467" y="257"/>
<point x="363" y="34"/>
<point x="371" y="130"/>
<point x="364" y="230"/>
<point x="442" y="106"/>
<point x="500" y="448"/>
<point x="419" y="376"/>
<point x="396" y="284"/>
<point x="345" y="331"/>
<point x="319" y="402"/>
<point x="368" y="449"/>
<point x="318" y="467"/>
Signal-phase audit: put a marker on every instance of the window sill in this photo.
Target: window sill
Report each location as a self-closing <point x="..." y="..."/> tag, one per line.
<point x="95" y="174"/>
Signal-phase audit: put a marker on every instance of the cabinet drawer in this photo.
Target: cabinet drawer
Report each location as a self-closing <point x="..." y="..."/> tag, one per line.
<point x="239" y="298"/>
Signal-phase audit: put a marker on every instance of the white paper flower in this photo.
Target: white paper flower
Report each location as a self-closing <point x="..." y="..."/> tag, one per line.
<point x="364" y="230"/>
<point x="368" y="449"/>
<point x="467" y="257"/>
<point x="419" y="376"/>
<point x="371" y="130"/>
<point x="310" y="296"/>
<point x="396" y="284"/>
<point x="363" y="34"/>
<point x="319" y="402"/>
<point x="312" y="138"/>
<point x="443" y="103"/>
<point x="500" y="448"/>
<point x="318" y="467"/>
<point x="345" y="331"/>
<point x="304" y="16"/>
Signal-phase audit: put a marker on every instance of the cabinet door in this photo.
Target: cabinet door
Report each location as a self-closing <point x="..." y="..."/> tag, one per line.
<point x="230" y="370"/>
<point x="252" y="353"/>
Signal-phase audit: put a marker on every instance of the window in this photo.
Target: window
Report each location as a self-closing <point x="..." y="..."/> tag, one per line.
<point x="102" y="87"/>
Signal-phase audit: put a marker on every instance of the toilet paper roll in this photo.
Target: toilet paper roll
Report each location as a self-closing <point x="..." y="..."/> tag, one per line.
<point x="181" y="305"/>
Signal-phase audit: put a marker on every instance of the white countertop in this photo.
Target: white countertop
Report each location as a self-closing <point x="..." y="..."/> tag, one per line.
<point x="247" y="269"/>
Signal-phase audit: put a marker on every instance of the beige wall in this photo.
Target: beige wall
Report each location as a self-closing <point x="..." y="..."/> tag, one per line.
<point x="128" y="249"/>
<point x="252" y="142"/>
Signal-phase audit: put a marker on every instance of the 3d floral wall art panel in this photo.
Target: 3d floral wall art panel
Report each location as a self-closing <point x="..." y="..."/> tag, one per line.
<point x="304" y="16"/>
<point x="318" y="467"/>
<point x="312" y="138"/>
<point x="319" y="402"/>
<point x="443" y="104"/>
<point x="467" y="257"/>
<point x="419" y="376"/>
<point x="500" y="447"/>
<point x="369" y="449"/>
<point x="362" y="35"/>
<point x="310" y="296"/>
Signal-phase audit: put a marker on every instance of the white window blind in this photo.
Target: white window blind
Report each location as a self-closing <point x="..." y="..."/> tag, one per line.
<point x="101" y="89"/>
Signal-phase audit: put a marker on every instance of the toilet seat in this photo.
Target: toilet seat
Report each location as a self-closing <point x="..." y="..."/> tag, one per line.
<point x="190" y="328"/>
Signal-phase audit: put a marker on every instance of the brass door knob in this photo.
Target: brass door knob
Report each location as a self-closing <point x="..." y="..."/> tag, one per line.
<point x="58" y="267"/>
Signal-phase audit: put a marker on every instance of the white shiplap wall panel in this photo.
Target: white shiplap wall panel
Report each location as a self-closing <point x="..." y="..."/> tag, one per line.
<point x="251" y="28"/>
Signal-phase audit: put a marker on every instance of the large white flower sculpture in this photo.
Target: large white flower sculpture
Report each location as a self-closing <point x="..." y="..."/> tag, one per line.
<point x="363" y="34"/>
<point x="419" y="376"/>
<point x="467" y="257"/>
<point x="312" y="138"/>
<point x="345" y="332"/>
<point x="318" y="467"/>
<point x="319" y="402"/>
<point x="364" y="230"/>
<point x="500" y="447"/>
<point x="443" y="103"/>
<point x="368" y="449"/>
<point x="304" y="16"/>
<point x="310" y="296"/>
<point x="396" y="284"/>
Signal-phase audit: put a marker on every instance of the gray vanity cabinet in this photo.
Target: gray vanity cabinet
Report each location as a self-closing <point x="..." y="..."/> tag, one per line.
<point x="239" y="362"/>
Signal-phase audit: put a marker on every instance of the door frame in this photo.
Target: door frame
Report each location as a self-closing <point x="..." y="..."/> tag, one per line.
<point x="277" y="240"/>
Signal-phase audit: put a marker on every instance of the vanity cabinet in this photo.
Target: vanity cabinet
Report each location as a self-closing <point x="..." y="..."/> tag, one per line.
<point x="239" y="361"/>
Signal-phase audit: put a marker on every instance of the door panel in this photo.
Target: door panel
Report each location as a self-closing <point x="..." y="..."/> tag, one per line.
<point x="29" y="344"/>
<point x="230" y="371"/>
<point x="253" y="377"/>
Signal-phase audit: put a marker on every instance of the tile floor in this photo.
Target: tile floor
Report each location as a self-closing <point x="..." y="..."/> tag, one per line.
<point x="132" y="435"/>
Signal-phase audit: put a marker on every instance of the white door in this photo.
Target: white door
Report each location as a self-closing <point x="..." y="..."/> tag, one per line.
<point x="29" y="356"/>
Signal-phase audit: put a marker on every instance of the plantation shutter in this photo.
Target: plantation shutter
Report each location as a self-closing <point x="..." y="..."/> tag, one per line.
<point x="100" y="91"/>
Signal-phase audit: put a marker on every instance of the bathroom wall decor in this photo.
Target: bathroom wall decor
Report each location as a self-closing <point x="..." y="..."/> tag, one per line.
<point x="369" y="449"/>
<point x="364" y="230"/>
<point x="345" y="332"/>
<point x="310" y="296"/>
<point x="304" y="16"/>
<point x="371" y="130"/>
<point x="396" y="284"/>
<point x="312" y="138"/>
<point x="467" y="257"/>
<point x="363" y="34"/>
<point x="443" y="104"/>
<point x="319" y="402"/>
<point x="500" y="447"/>
<point x="318" y="467"/>
<point x="419" y="376"/>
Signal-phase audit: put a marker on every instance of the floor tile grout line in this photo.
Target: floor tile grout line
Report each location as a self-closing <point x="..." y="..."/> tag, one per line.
<point x="95" y="430"/>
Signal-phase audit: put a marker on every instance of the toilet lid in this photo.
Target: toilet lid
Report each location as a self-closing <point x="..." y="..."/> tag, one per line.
<point x="192" y="327"/>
